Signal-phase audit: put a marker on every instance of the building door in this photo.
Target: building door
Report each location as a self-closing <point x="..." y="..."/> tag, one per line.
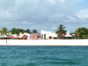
<point x="50" y="37"/>
<point x="44" y="36"/>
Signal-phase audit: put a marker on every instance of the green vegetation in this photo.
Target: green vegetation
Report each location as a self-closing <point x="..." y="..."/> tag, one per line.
<point x="34" y="31"/>
<point x="28" y="31"/>
<point x="17" y="31"/>
<point x="81" y="33"/>
<point x="39" y="37"/>
<point x="4" y="30"/>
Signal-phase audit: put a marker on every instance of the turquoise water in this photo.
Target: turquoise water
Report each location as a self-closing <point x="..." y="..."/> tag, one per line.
<point x="43" y="55"/>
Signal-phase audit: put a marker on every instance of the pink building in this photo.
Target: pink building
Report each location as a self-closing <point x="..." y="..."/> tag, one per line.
<point x="34" y="36"/>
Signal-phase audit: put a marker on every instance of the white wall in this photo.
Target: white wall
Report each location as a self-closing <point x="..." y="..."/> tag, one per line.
<point x="48" y="33"/>
<point x="21" y="35"/>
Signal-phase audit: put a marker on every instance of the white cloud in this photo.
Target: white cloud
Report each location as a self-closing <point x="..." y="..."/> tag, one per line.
<point x="52" y="1"/>
<point x="71" y="18"/>
<point x="56" y="17"/>
<point x="62" y="1"/>
<point x="43" y="13"/>
<point x="4" y="14"/>
<point x="26" y="23"/>
<point x="82" y="14"/>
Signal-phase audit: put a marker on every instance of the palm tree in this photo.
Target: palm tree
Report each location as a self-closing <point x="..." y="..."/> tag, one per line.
<point x="60" y="30"/>
<point x="34" y="31"/>
<point x="80" y="32"/>
<point x="28" y="31"/>
<point x="4" y="30"/>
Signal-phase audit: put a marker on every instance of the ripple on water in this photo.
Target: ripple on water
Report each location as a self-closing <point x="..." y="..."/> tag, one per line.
<point x="43" y="56"/>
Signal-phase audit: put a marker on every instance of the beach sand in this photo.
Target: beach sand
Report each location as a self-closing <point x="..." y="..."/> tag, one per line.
<point x="67" y="42"/>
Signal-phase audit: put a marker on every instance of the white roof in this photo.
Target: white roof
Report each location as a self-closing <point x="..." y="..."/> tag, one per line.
<point x="21" y="36"/>
<point x="68" y="36"/>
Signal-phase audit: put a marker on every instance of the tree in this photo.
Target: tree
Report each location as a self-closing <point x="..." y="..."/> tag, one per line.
<point x="16" y="30"/>
<point x="60" y="30"/>
<point x="81" y="32"/>
<point x="4" y="30"/>
<point x="13" y="31"/>
<point x="28" y="31"/>
<point x="77" y="32"/>
<point x="21" y="30"/>
<point x="34" y="31"/>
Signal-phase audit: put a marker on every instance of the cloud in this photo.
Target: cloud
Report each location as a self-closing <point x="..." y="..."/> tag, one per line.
<point x="26" y="23"/>
<point x="52" y="1"/>
<point x="4" y="14"/>
<point x="62" y="1"/>
<point x="71" y="18"/>
<point x="82" y="14"/>
<point x="41" y="14"/>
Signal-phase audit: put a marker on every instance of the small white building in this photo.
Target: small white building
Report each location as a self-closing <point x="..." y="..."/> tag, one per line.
<point x="48" y="34"/>
<point x="28" y="35"/>
<point x="2" y="35"/>
<point x="67" y="35"/>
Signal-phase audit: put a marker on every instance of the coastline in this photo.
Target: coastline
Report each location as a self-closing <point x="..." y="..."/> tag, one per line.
<point x="59" y="42"/>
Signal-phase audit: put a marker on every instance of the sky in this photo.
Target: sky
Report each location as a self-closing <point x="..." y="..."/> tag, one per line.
<point x="43" y="14"/>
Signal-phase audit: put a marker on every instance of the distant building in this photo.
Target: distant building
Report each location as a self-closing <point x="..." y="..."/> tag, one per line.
<point x="20" y="36"/>
<point x="48" y="35"/>
<point x="3" y="36"/>
<point x="68" y="35"/>
<point x="34" y="36"/>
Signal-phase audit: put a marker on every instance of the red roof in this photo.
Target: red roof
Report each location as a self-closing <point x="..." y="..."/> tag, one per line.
<point x="11" y="36"/>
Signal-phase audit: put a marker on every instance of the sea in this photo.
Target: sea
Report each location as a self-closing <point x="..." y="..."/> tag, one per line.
<point x="43" y="55"/>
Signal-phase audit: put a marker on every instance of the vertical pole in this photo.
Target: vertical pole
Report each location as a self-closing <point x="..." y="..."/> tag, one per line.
<point x="6" y="41"/>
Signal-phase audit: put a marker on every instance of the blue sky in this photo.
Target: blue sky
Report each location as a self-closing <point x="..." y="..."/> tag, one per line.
<point x="81" y="3"/>
<point x="44" y="14"/>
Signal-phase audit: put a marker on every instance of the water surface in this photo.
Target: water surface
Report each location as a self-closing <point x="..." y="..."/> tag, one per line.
<point x="43" y="55"/>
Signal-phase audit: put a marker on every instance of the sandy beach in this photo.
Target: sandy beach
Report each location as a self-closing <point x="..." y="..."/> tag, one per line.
<point x="73" y="42"/>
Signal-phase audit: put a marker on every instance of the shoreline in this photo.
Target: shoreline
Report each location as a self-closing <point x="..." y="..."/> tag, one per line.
<point x="57" y="42"/>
